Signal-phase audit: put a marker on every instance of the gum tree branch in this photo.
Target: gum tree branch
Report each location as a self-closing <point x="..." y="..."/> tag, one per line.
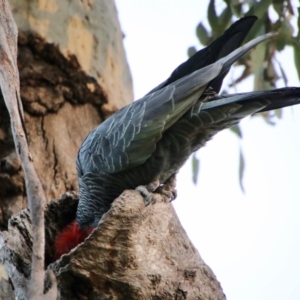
<point x="10" y="86"/>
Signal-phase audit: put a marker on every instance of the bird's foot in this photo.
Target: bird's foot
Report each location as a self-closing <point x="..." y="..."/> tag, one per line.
<point x="147" y="192"/>
<point x="148" y="197"/>
<point x="168" y="188"/>
<point x="170" y="194"/>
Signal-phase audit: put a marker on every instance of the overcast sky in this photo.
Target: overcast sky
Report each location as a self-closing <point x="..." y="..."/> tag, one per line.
<point x="251" y="240"/>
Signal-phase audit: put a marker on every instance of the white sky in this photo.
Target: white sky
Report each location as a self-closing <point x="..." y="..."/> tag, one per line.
<point x="250" y="241"/>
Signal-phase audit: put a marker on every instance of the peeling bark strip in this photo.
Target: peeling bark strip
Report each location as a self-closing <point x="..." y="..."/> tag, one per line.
<point x="9" y="82"/>
<point x="136" y="252"/>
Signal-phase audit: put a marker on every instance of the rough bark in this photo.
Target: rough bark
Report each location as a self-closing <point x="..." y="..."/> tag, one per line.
<point x="73" y="74"/>
<point x="136" y="252"/>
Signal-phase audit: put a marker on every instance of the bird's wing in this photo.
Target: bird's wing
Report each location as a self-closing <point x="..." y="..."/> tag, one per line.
<point x="129" y="137"/>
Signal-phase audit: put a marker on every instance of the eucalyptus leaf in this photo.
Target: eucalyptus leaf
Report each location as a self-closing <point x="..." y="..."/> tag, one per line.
<point x="296" y="46"/>
<point x="225" y="17"/>
<point x="260" y="8"/>
<point x="258" y="58"/>
<point x="237" y="130"/>
<point x="202" y="34"/>
<point x="250" y="2"/>
<point x="271" y="75"/>
<point x="241" y="170"/>
<point x="235" y="2"/>
<point x="283" y="75"/>
<point x="278" y="7"/>
<point x="191" y="51"/>
<point x="298" y="23"/>
<point x="228" y="2"/>
<point x="195" y="168"/>
<point x="237" y="9"/>
<point x="278" y="113"/>
<point x="278" y="1"/>
<point x="285" y="31"/>
<point x="212" y="16"/>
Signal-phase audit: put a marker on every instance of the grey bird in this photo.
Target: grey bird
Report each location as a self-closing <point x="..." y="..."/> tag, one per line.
<point x="144" y="144"/>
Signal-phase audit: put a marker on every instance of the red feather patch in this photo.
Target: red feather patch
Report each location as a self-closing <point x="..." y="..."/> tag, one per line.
<point x="69" y="238"/>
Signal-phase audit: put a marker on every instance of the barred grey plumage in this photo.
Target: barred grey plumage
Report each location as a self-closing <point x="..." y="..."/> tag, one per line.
<point x="149" y="140"/>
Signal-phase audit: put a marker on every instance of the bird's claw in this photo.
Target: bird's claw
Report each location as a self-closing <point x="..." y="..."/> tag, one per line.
<point x="147" y="196"/>
<point x="165" y="191"/>
<point x="168" y="189"/>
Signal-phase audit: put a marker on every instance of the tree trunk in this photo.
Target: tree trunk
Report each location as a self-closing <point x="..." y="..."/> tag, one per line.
<point x="73" y="74"/>
<point x="136" y="252"/>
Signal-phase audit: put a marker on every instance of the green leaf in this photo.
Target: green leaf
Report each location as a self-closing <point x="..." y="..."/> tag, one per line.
<point x="212" y="16"/>
<point x="270" y="73"/>
<point x="296" y="46"/>
<point x="228" y="2"/>
<point x="285" y="32"/>
<point x="260" y="8"/>
<point x="283" y="75"/>
<point x="278" y="7"/>
<point x="237" y="130"/>
<point x="258" y="58"/>
<point x="298" y="23"/>
<point x="195" y="168"/>
<point x="237" y="10"/>
<point x="278" y="113"/>
<point x="250" y="2"/>
<point x="202" y="34"/>
<point x="241" y="170"/>
<point x="225" y="17"/>
<point x="191" y="51"/>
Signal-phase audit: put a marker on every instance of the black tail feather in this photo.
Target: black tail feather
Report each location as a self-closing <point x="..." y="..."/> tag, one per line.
<point x="222" y="46"/>
<point x="277" y="98"/>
